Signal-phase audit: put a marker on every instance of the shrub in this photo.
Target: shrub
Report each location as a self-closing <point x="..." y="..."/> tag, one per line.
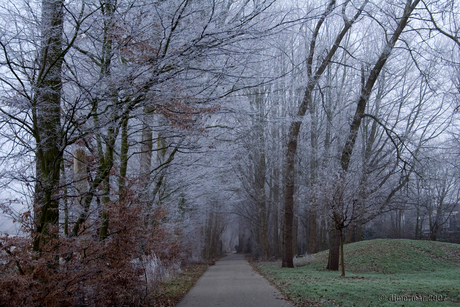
<point x="81" y="271"/>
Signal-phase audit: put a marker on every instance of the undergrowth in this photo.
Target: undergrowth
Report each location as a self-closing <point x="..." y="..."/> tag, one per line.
<point x="171" y="291"/>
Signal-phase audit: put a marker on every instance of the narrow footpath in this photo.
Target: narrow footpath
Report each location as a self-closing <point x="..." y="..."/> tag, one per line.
<point x="232" y="282"/>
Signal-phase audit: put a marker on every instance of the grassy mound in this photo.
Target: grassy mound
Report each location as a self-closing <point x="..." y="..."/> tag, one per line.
<point x="397" y="256"/>
<point x="378" y="273"/>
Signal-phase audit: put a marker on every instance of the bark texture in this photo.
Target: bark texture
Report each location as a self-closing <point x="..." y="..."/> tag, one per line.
<point x="47" y="124"/>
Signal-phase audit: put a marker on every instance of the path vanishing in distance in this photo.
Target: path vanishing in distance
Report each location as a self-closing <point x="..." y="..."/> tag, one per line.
<point x="232" y="282"/>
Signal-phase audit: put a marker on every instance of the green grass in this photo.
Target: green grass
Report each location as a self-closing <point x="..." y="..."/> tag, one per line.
<point x="171" y="291"/>
<point x="378" y="273"/>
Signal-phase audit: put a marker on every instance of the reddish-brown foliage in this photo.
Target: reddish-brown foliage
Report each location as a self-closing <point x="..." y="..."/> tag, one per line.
<point x="81" y="271"/>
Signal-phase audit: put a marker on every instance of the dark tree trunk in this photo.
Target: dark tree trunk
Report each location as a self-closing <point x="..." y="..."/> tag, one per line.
<point x="313" y="245"/>
<point x="288" y="255"/>
<point x="367" y="86"/>
<point x="349" y="234"/>
<point x="434" y="231"/>
<point x="334" y="250"/>
<point x="275" y="209"/>
<point x="342" y="256"/>
<point x="46" y="113"/>
<point x="359" y="233"/>
<point x="313" y="77"/>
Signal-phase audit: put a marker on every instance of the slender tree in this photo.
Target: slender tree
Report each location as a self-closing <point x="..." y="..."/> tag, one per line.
<point x="338" y="213"/>
<point x="313" y="76"/>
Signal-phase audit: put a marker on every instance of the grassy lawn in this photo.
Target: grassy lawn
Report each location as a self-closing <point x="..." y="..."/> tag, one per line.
<point x="378" y="273"/>
<point x="170" y="292"/>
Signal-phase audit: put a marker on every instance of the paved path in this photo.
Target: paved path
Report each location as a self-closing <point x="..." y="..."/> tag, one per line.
<point x="232" y="282"/>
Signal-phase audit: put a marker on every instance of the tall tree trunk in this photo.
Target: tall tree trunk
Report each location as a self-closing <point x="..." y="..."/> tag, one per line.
<point x="313" y="178"/>
<point x="334" y="250"/>
<point x="369" y="84"/>
<point x="108" y="9"/>
<point x="47" y="123"/>
<point x="295" y="232"/>
<point x="80" y="175"/>
<point x="313" y="236"/>
<point x="366" y="91"/>
<point x="323" y="234"/>
<point x="289" y="196"/>
<point x="342" y="256"/>
<point x="294" y="128"/>
<point x="260" y="169"/>
<point x="359" y="233"/>
<point x="65" y="200"/>
<point x="434" y="230"/>
<point x="145" y="158"/>
<point x="107" y="164"/>
<point x="417" y="225"/>
<point x="124" y="148"/>
<point x="261" y="230"/>
<point x="208" y="236"/>
<point x="349" y="235"/>
<point x="275" y="212"/>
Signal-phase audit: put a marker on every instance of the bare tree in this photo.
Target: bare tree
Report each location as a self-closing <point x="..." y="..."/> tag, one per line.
<point x="313" y="75"/>
<point x="367" y="87"/>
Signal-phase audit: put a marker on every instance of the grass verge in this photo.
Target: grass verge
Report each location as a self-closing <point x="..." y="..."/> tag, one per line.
<point x="171" y="291"/>
<point x="378" y="273"/>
